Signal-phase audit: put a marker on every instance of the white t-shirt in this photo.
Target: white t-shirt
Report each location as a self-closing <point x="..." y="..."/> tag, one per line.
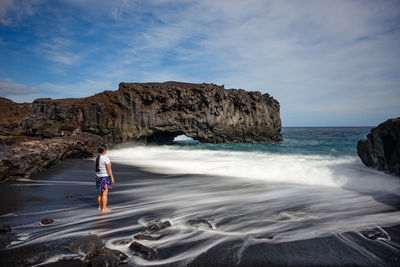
<point x="102" y="166"/>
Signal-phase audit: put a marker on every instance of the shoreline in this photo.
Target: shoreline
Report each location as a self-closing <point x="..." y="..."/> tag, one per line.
<point x="46" y="195"/>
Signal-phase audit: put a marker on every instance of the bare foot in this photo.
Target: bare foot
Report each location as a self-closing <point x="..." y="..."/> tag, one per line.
<point x="99" y="208"/>
<point x="106" y="209"/>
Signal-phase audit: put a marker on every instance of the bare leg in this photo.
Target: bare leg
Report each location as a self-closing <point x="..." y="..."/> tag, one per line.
<point x="104" y="200"/>
<point x="99" y="201"/>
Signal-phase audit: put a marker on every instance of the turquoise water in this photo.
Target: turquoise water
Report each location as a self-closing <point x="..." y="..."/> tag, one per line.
<point x="332" y="141"/>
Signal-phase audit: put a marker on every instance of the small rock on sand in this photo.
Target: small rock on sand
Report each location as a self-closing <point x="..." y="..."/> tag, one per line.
<point x="47" y="221"/>
<point x="155" y="227"/>
<point x="145" y="252"/>
<point x="375" y="234"/>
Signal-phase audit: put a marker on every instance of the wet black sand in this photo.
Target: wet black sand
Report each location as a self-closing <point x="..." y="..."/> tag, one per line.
<point x="32" y="201"/>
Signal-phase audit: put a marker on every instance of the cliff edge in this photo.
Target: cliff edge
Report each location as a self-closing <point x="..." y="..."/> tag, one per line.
<point x="148" y="112"/>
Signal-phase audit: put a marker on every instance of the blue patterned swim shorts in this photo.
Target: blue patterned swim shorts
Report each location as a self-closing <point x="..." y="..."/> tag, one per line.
<point x="102" y="183"/>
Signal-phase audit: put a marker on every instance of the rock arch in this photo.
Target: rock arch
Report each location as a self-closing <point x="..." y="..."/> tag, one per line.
<point x="143" y="111"/>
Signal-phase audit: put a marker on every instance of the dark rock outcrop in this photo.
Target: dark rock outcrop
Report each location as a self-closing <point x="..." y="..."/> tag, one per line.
<point x="35" y="136"/>
<point x="381" y="150"/>
<point x="148" y="112"/>
<point x="11" y="115"/>
<point x="98" y="255"/>
<point x="20" y="157"/>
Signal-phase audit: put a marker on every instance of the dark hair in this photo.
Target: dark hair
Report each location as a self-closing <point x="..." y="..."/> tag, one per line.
<point x="100" y="150"/>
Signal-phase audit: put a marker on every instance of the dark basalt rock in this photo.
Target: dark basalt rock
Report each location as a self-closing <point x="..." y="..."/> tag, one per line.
<point x="200" y="222"/>
<point x="375" y="234"/>
<point x="264" y="237"/>
<point x="105" y="261"/>
<point x="107" y="251"/>
<point x="92" y="246"/>
<point x="108" y="257"/>
<point x="88" y="245"/>
<point x="144" y="237"/>
<point x="47" y="221"/>
<point x="21" y="157"/>
<point x="155" y="227"/>
<point x="158" y="112"/>
<point x="381" y="150"/>
<point x="122" y="242"/>
<point x="67" y="263"/>
<point x="6" y="236"/>
<point x="11" y="116"/>
<point x="143" y="251"/>
<point x="5" y="229"/>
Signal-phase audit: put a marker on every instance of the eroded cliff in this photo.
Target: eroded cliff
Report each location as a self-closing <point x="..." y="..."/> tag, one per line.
<point x="160" y="111"/>
<point x="11" y="115"/>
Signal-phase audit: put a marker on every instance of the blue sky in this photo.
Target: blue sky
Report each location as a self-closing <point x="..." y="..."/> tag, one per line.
<point x="328" y="63"/>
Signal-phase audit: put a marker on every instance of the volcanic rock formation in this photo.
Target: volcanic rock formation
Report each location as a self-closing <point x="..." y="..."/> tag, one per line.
<point x="11" y="115"/>
<point x="148" y="112"/>
<point x="22" y="156"/>
<point x="381" y="150"/>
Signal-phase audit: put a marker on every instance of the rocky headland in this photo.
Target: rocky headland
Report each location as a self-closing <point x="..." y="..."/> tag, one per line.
<point x="147" y="112"/>
<point x="35" y="136"/>
<point x="381" y="149"/>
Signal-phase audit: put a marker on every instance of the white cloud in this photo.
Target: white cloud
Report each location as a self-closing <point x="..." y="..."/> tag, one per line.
<point x="310" y="55"/>
<point x="7" y="88"/>
<point x="315" y="57"/>
<point x="13" y="11"/>
<point x="59" y="51"/>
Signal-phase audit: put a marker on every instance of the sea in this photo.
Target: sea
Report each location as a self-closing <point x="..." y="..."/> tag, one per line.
<point x="317" y="156"/>
<point x="312" y="185"/>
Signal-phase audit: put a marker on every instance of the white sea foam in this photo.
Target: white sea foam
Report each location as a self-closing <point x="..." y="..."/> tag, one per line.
<point x="345" y="171"/>
<point x="250" y="197"/>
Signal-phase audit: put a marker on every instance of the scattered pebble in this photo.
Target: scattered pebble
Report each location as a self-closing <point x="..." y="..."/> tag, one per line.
<point x="46" y="221"/>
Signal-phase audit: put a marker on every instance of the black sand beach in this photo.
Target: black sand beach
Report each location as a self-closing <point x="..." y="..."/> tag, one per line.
<point x="24" y="204"/>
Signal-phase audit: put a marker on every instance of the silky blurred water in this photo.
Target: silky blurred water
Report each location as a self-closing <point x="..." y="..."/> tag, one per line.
<point x="311" y="185"/>
<point x="333" y="141"/>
